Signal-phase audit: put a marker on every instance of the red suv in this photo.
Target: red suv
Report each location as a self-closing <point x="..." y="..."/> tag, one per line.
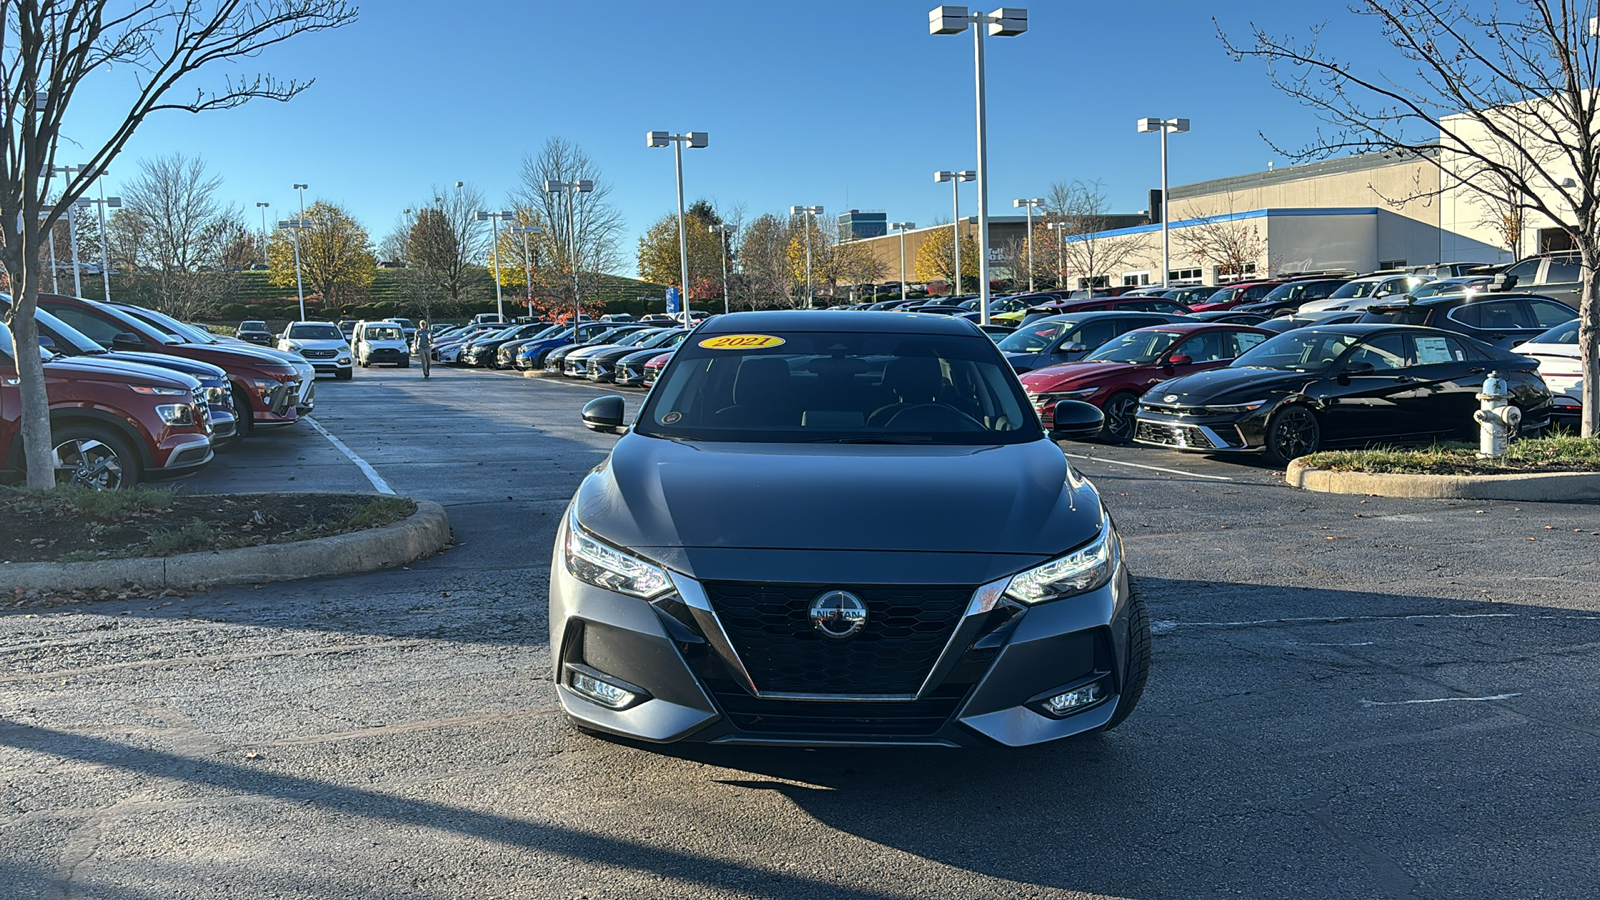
<point x="113" y="423"/>
<point x="1230" y="295"/>
<point x="263" y="383"/>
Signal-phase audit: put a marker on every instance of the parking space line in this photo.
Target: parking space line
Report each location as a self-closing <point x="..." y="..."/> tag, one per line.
<point x="1118" y="462"/>
<point x="363" y="465"/>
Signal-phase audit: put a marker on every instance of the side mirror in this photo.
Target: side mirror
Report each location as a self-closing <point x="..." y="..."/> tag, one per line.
<point x="604" y="414"/>
<point x="1072" y="347"/>
<point x="1179" y="359"/>
<point x="1075" y="420"/>
<point x="126" y="340"/>
<point x="47" y="342"/>
<point x="1502" y="282"/>
<point x="1360" y="368"/>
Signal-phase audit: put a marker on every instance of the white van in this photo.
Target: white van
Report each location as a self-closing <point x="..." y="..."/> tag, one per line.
<point x="380" y="342"/>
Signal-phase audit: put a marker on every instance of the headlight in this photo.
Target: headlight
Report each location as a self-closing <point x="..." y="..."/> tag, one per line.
<point x="158" y="391"/>
<point x="1082" y="570"/>
<point x="176" y="413"/>
<point x="217" y="395"/>
<point x="1227" y="408"/>
<point x="605" y="566"/>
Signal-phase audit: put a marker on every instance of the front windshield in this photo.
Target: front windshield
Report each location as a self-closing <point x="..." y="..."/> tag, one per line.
<point x="1355" y="290"/>
<point x="659" y="338"/>
<point x="1566" y="333"/>
<point x="183" y="331"/>
<point x="606" y="337"/>
<point x="1035" y="336"/>
<point x="95" y="325"/>
<point x="383" y="332"/>
<point x="1301" y="350"/>
<point x="315" y="331"/>
<point x="826" y="387"/>
<point x="637" y="338"/>
<point x="1137" y="346"/>
<point x="1225" y="295"/>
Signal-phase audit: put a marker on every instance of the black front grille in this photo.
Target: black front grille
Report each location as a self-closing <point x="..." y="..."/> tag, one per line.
<point x="1174" y="436"/>
<point x="848" y="718"/>
<point x="319" y="354"/>
<point x="770" y="628"/>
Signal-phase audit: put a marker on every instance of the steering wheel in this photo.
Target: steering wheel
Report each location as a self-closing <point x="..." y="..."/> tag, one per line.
<point x="932" y="417"/>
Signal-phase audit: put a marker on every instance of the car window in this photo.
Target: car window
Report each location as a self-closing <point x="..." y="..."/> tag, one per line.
<point x="315" y="332"/>
<point x="102" y="325"/>
<point x="1566" y="333"/>
<point x="1093" y="334"/>
<point x="383" y="332"/>
<point x="1562" y="270"/>
<point x="1244" y="342"/>
<point x="1034" y="337"/>
<point x="1435" y="349"/>
<point x="1526" y="270"/>
<point x="824" y="387"/>
<point x="1212" y="346"/>
<point x="1383" y="353"/>
<point x="1137" y="346"/>
<point x="1547" y="314"/>
<point x="1301" y="350"/>
<point x="1354" y="290"/>
<point x="1492" y="315"/>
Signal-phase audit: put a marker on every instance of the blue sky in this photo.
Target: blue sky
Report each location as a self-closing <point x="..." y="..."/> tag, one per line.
<point x="843" y="103"/>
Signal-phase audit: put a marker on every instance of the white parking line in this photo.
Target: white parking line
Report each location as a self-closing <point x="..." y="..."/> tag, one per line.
<point x="1440" y="700"/>
<point x="1118" y="462"/>
<point x="363" y="465"/>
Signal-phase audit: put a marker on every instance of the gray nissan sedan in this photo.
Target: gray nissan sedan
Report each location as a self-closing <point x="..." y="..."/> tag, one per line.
<point x="831" y="528"/>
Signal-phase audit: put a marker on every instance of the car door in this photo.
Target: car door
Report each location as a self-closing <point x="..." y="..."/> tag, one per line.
<point x="1079" y="342"/>
<point x="1493" y="321"/>
<point x="1366" y="398"/>
<point x="1560" y="279"/>
<point x="1446" y="380"/>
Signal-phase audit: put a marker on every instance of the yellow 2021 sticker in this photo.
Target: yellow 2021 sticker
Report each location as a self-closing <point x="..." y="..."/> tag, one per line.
<point x="741" y="342"/>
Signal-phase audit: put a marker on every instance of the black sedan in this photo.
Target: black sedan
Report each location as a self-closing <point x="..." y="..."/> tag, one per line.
<point x="767" y="557"/>
<point x="1338" y="386"/>
<point x="1503" y="320"/>
<point x="555" y="362"/>
<point x="481" y="351"/>
<point x="611" y="364"/>
<point x="1071" y="337"/>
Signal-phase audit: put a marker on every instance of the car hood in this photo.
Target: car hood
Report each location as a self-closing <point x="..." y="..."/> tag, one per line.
<point x="1081" y="374"/>
<point x="668" y="498"/>
<point x="192" y="367"/>
<point x="90" y="368"/>
<point x="1228" y="385"/>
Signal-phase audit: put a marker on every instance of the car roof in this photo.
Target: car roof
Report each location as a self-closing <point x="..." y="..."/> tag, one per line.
<point x="1481" y="297"/>
<point x="1090" y="315"/>
<point x="1192" y="327"/>
<point x="839" y="320"/>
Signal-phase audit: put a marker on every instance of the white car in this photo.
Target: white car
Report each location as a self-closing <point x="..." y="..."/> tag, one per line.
<point x="322" y="344"/>
<point x="380" y="342"/>
<point x="1560" y="366"/>
<point x="1364" y="292"/>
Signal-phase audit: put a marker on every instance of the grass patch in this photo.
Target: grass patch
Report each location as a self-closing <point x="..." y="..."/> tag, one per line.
<point x="1562" y="452"/>
<point x="103" y="505"/>
<point x="195" y="535"/>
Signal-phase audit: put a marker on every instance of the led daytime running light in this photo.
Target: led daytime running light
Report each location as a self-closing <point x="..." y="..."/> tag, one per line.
<point x="1078" y="572"/>
<point x="607" y="567"/>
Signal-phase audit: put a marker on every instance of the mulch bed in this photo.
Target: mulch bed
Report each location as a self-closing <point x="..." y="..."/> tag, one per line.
<point x="34" y="528"/>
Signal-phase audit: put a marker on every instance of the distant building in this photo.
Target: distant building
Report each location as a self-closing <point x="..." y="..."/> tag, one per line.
<point x="857" y="224"/>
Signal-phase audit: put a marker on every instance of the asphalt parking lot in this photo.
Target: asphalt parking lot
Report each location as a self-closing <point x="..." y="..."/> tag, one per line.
<point x="1349" y="697"/>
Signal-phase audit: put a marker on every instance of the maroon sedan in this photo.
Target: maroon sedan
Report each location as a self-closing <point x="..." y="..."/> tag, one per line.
<point x="1114" y="376"/>
<point x="1231" y="295"/>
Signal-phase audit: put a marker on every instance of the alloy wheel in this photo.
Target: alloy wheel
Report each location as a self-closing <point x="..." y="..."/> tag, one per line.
<point x="1295" y="433"/>
<point x="1120" y="413"/>
<point x="88" y="462"/>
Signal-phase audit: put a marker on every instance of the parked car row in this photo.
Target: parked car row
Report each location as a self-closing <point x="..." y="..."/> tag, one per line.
<point x="136" y="395"/>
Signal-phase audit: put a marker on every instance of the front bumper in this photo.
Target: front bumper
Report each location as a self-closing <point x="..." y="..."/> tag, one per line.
<point x="180" y="455"/>
<point x="1175" y="429"/>
<point x="685" y="657"/>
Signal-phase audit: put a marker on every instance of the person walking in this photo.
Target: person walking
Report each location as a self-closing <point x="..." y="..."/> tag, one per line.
<point x="422" y="342"/>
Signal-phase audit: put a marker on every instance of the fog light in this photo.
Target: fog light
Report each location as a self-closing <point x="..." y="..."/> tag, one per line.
<point x="1069" y="702"/>
<point x="600" y="691"/>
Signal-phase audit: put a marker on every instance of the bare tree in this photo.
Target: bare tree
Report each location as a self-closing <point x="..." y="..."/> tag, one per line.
<point x="1086" y="213"/>
<point x="585" y="229"/>
<point x="1510" y="89"/>
<point x="50" y="49"/>
<point x="392" y="249"/>
<point x="763" y="253"/>
<point x="1216" y="238"/>
<point x="454" y="242"/>
<point x="187" y="237"/>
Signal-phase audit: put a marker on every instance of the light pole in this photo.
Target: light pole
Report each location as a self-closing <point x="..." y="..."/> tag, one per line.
<point x="723" y="232"/>
<point x="295" y="226"/>
<point x="1061" y="269"/>
<point x="527" y="258"/>
<point x="301" y="188"/>
<point x="494" y="218"/>
<point x="1031" y="205"/>
<point x="1164" y="127"/>
<point x="581" y="186"/>
<point x="263" y="207"/>
<point x="955" y="179"/>
<point x="55" y="270"/>
<point x="808" y="212"/>
<point x="105" y="256"/>
<point x="901" y="227"/>
<point x="72" y="229"/>
<point x="696" y="140"/>
<point x="1003" y="22"/>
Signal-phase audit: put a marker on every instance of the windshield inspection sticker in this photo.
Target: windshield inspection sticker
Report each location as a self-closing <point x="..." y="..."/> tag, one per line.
<point x="671" y="418"/>
<point x="741" y="342"/>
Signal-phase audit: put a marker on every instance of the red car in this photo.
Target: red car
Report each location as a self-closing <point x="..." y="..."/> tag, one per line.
<point x="113" y="423"/>
<point x="1231" y="295"/>
<point x="652" y="369"/>
<point x="1114" y="376"/>
<point x="1111" y="304"/>
<point x="263" y="382"/>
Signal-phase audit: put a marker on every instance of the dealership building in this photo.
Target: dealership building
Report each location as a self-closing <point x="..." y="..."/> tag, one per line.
<point x="1356" y="214"/>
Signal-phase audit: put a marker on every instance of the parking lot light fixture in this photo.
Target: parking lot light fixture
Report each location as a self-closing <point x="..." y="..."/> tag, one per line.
<point x="527" y="258"/>
<point x="72" y="229"/>
<point x="955" y="179"/>
<point x="495" y="218"/>
<point x="295" y="226"/>
<point x="263" y="207"/>
<point x="1030" y="204"/>
<point x="1164" y="127"/>
<point x="1060" y="228"/>
<point x="1007" y="21"/>
<point x="901" y="227"/>
<point x="301" y="190"/>
<point x="810" y="212"/>
<point x="724" y="233"/>
<point x="696" y="140"/>
<point x="572" y="188"/>
<point x="105" y="258"/>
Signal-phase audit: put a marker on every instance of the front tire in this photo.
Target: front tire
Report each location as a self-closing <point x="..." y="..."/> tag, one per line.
<point x="1292" y="432"/>
<point x="94" y="457"/>
<point x="1138" y="662"/>
<point x="244" y="415"/>
<point x="1121" y="410"/>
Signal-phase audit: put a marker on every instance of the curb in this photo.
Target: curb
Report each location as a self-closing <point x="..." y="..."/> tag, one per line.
<point x="1533" y="487"/>
<point x="424" y="532"/>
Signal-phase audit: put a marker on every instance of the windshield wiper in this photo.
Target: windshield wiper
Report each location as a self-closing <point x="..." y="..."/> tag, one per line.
<point x="877" y="439"/>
